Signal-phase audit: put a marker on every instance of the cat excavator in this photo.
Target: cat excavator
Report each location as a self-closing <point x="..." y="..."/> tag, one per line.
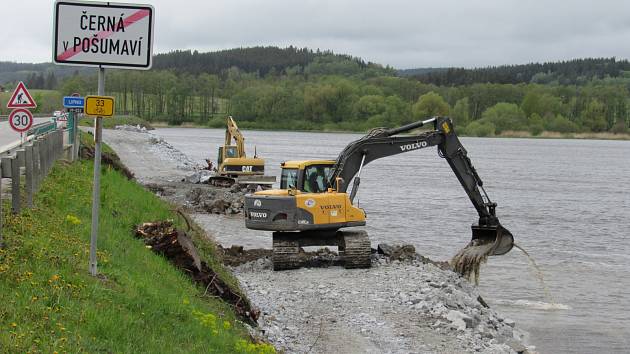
<point x="313" y="204"/>
<point x="233" y="165"/>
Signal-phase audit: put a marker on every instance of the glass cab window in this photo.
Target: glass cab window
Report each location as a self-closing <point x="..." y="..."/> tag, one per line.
<point x="288" y="179"/>
<point x="231" y="151"/>
<point x="315" y="178"/>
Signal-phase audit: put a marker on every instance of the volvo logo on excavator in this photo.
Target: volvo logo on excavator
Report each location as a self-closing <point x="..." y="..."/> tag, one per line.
<point x="257" y="202"/>
<point x="414" y="146"/>
<point x="257" y="215"/>
<point x="333" y="206"/>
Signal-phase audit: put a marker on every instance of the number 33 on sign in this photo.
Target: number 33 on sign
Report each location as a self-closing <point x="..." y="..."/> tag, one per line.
<point x="101" y="106"/>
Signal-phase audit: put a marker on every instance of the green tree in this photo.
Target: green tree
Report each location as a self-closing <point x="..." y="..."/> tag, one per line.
<point x="397" y="111"/>
<point x="536" y="124"/>
<point x="329" y="102"/>
<point x="594" y="116"/>
<point x="505" y="116"/>
<point x="480" y="128"/>
<point x="78" y="84"/>
<point x="541" y="104"/>
<point x="368" y="106"/>
<point x="429" y="105"/>
<point x="561" y="124"/>
<point x="461" y="112"/>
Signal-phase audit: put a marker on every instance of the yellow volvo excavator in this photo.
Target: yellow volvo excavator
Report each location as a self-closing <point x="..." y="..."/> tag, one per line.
<point x="233" y="165"/>
<point x="312" y="204"/>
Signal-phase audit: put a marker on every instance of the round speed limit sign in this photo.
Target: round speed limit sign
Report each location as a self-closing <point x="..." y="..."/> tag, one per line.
<point x="21" y="120"/>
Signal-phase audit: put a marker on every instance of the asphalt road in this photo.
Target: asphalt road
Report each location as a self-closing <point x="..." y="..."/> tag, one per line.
<point x="9" y="136"/>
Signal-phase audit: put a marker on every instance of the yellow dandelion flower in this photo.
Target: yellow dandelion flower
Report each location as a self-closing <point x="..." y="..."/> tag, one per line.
<point x="73" y="219"/>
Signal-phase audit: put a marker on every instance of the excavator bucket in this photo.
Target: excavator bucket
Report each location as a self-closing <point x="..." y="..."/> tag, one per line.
<point x="501" y="238"/>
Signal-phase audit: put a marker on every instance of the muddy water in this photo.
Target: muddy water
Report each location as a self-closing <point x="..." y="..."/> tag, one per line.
<point x="567" y="202"/>
<point x="539" y="274"/>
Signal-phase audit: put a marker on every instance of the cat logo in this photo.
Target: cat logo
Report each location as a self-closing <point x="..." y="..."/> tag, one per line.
<point x="257" y="203"/>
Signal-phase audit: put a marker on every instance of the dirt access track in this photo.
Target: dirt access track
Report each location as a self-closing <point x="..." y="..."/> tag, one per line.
<point x="394" y="307"/>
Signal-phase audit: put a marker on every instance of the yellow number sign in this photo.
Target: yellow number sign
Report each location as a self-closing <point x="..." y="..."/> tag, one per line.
<point x="102" y="106"/>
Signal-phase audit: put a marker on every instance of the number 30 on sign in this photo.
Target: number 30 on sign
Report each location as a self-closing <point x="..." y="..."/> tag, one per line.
<point x="101" y="106"/>
<point x="21" y="120"/>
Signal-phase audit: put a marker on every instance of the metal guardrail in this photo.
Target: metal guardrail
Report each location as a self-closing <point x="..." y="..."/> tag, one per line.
<point x="31" y="134"/>
<point x="42" y="128"/>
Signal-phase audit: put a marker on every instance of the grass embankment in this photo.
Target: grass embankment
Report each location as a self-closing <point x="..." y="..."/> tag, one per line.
<point x="140" y="303"/>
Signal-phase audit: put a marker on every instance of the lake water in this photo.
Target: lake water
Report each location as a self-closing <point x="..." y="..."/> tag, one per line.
<point x="567" y="202"/>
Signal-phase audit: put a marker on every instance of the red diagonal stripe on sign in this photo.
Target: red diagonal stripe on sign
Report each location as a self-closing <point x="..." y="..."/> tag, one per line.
<point x="135" y="17"/>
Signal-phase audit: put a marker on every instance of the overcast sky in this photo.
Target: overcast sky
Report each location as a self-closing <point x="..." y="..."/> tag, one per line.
<point x="403" y="34"/>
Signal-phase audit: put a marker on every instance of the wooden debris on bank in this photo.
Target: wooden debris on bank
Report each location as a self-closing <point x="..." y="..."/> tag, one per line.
<point x="177" y="247"/>
<point x="112" y="160"/>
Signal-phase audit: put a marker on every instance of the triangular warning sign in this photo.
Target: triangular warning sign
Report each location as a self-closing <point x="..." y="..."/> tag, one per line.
<point x="21" y="98"/>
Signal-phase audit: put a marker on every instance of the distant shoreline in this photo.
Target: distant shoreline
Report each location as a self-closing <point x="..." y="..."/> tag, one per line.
<point x="132" y="120"/>
<point x="505" y="134"/>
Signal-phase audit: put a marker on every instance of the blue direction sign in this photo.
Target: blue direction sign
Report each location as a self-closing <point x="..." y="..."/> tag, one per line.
<point x="73" y="102"/>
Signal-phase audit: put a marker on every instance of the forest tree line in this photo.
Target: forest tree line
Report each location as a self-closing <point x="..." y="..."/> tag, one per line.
<point x="335" y="92"/>
<point x="571" y="72"/>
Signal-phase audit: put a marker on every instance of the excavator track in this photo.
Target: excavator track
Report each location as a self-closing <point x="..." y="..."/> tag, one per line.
<point x="356" y="249"/>
<point x="221" y="181"/>
<point x="285" y="252"/>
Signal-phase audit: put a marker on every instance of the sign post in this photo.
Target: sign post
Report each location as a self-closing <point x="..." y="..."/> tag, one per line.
<point x="74" y="105"/>
<point x="96" y="192"/>
<point x="106" y="35"/>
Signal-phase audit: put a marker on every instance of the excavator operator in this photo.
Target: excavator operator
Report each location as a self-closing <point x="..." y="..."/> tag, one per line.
<point x="316" y="181"/>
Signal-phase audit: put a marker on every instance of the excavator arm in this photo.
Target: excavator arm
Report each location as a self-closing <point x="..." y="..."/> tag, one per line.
<point x="232" y="132"/>
<point x="384" y="142"/>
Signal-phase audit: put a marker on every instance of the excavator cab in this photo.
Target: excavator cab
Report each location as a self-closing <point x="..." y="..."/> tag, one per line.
<point x="306" y="176"/>
<point x="226" y="152"/>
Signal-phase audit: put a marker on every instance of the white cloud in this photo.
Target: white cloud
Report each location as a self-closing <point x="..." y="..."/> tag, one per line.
<point x="400" y="33"/>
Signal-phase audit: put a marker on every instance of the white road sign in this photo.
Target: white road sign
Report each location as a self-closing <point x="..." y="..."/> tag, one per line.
<point x="21" y="120"/>
<point x="21" y="98"/>
<point x="103" y="34"/>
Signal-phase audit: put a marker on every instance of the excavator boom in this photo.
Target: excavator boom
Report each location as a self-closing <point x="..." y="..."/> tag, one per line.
<point x="232" y="132"/>
<point x="385" y="142"/>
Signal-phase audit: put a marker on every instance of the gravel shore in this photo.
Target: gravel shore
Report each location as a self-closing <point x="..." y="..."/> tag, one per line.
<point x="394" y="307"/>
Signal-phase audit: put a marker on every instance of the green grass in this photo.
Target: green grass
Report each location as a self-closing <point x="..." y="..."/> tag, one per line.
<point x="110" y="123"/>
<point x="141" y="303"/>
